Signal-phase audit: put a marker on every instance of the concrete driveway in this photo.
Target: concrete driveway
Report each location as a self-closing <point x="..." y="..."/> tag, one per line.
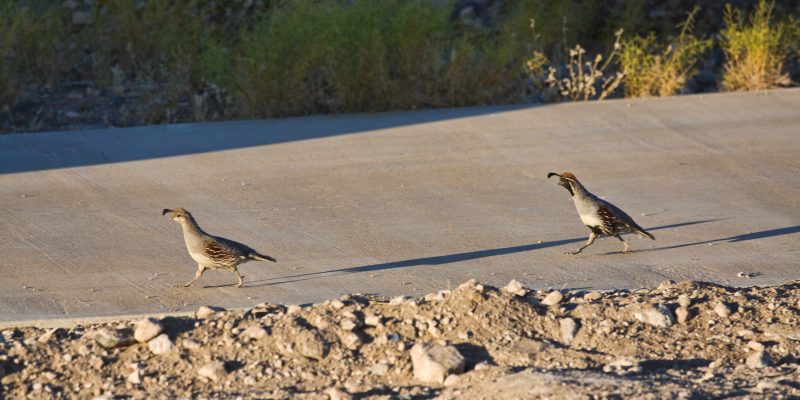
<point x="400" y="203"/>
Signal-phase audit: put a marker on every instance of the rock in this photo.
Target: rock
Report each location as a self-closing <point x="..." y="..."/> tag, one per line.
<point x="190" y="344"/>
<point x="659" y="315"/>
<point x="398" y="300"/>
<point x="379" y="369"/>
<point x="254" y="332"/>
<point x="147" y="329"/>
<point x="759" y="359"/>
<point x="757" y="346"/>
<point x="722" y="310"/>
<point x="470" y="284"/>
<point x="452" y="380"/>
<point x="292" y="309"/>
<point x="682" y="315"/>
<point x="433" y="363"/>
<point x="335" y="393"/>
<point x="214" y="371"/>
<point x="337" y="304"/>
<point x="111" y="338"/>
<point x="593" y="296"/>
<point x="160" y="345"/>
<point x="135" y="377"/>
<point x="348" y="324"/>
<point x="372" y="320"/>
<point x="684" y="301"/>
<point x="205" y="312"/>
<point x="515" y="288"/>
<point x="45" y="336"/>
<point x="553" y="298"/>
<point x="568" y="328"/>
<point x="310" y="345"/>
<point x="351" y="340"/>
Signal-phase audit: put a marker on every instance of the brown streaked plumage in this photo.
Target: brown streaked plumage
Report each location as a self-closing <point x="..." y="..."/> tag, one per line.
<point x="600" y="216"/>
<point x="212" y="251"/>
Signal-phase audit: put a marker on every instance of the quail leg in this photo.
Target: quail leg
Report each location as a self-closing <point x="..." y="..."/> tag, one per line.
<point x="627" y="248"/>
<point x="240" y="276"/>
<point x="592" y="237"/>
<point x="200" y="270"/>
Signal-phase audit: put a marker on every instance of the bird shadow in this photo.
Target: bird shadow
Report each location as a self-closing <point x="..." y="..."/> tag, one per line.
<point x="443" y="259"/>
<point x="734" y="239"/>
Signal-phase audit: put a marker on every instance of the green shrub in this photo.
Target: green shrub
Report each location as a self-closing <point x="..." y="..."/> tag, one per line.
<point x="755" y="51"/>
<point x="651" y="71"/>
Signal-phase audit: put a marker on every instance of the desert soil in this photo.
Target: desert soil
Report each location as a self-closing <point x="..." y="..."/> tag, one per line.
<point x="681" y="340"/>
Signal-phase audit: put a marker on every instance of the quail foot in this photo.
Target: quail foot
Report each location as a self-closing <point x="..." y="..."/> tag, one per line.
<point x="600" y="216"/>
<point x="212" y="251"/>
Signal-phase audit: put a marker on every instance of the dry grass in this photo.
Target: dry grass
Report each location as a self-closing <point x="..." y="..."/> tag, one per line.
<point x="755" y="50"/>
<point x="650" y="71"/>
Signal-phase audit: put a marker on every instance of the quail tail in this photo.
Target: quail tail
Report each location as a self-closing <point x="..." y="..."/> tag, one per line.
<point x="262" y="257"/>
<point x="643" y="233"/>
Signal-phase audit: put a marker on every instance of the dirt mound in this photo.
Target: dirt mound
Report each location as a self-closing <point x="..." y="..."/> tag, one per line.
<point x="679" y="340"/>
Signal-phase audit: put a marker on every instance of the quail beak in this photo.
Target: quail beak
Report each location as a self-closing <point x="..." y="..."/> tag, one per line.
<point x="165" y="211"/>
<point x="550" y="175"/>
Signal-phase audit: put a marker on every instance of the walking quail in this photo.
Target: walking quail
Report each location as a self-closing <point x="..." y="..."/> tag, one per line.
<point x="212" y="251"/>
<point x="602" y="217"/>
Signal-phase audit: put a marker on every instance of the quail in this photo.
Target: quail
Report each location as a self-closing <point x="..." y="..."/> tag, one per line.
<point x="213" y="251"/>
<point x="600" y="216"/>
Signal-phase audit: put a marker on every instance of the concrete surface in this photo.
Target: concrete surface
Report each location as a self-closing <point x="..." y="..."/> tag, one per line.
<point x="407" y="202"/>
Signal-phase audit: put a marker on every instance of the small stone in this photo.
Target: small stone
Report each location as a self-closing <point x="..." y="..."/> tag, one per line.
<point x="451" y="380"/>
<point x="553" y="298"/>
<point x="135" y="377"/>
<point x="372" y="320"/>
<point x="44" y="338"/>
<point x="684" y="301"/>
<point x="254" y="332"/>
<point x="722" y="310"/>
<point x="335" y="393"/>
<point x="682" y="315"/>
<point x="337" y="304"/>
<point x="516" y="288"/>
<point x="147" y="329"/>
<point x="205" y="312"/>
<point x="190" y="344"/>
<point x="348" y="324"/>
<point x="292" y="309"/>
<point x="351" y="340"/>
<point x="470" y="284"/>
<point x="757" y="346"/>
<point x="659" y="315"/>
<point x="433" y="363"/>
<point x="109" y="338"/>
<point x="214" y="371"/>
<point x="160" y="345"/>
<point x="398" y="300"/>
<point x="310" y="345"/>
<point x="568" y="328"/>
<point x="593" y="296"/>
<point x="379" y="369"/>
<point x="759" y="359"/>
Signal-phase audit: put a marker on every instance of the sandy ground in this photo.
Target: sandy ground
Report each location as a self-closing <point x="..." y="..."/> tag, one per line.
<point x="684" y="340"/>
<point x="399" y="203"/>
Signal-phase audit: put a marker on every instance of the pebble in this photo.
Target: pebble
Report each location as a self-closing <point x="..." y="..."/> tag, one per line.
<point x="310" y="345"/>
<point x="292" y="309"/>
<point x="190" y="344"/>
<point x="398" y="300"/>
<point x="110" y="339"/>
<point x="759" y="359"/>
<point x="722" y="310"/>
<point x="351" y="340"/>
<point x="379" y="369"/>
<point x="434" y="362"/>
<point x="659" y="315"/>
<point x="335" y="393"/>
<point x="372" y="320"/>
<point x="516" y="288"/>
<point x="147" y="329"/>
<point x="214" y="371"/>
<point x="684" y="301"/>
<point x="553" y="298"/>
<point x="568" y="328"/>
<point x="348" y="324"/>
<point x="452" y="380"/>
<point x="254" y="332"/>
<point x="205" y="312"/>
<point x="160" y="345"/>
<point x="44" y="338"/>
<point x="593" y="296"/>
<point x="135" y="377"/>
<point x="682" y="315"/>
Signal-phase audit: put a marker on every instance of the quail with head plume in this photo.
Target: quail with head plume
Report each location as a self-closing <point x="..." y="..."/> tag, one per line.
<point x="212" y="251"/>
<point x="600" y="216"/>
